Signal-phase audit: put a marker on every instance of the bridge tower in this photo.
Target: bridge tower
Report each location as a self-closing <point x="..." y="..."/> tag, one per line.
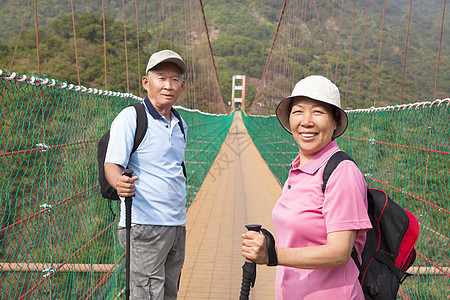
<point x="238" y="92"/>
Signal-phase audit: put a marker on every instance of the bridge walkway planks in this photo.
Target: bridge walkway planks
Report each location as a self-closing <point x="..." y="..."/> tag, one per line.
<point x="238" y="190"/>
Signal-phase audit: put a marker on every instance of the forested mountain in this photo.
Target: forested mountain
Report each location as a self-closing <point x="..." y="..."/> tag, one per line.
<point x="241" y="34"/>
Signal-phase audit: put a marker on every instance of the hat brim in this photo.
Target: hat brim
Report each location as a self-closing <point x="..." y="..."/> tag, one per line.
<point x="283" y="111"/>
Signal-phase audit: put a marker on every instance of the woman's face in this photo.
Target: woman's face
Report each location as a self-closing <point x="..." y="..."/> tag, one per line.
<point x="312" y="125"/>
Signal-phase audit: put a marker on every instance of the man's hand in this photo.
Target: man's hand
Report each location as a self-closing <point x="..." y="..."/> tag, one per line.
<point x="124" y="185"/>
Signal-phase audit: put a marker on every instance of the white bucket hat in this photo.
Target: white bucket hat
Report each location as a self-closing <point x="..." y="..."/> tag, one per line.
<point x="166" y="56"/>
<point x="318" y="88"/>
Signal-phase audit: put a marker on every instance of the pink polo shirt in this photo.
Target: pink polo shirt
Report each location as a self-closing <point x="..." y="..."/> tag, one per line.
<point x="303" y="217"/>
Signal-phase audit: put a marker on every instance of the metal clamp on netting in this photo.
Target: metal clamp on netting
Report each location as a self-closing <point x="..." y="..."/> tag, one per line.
<point x="48" y="272"/>
<point x="42" y="147"/>
<point x="47" y="207"/>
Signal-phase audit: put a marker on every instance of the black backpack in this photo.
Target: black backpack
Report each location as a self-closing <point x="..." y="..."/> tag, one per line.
<point x="107" y="190"/>
<point x="389" y="248"/>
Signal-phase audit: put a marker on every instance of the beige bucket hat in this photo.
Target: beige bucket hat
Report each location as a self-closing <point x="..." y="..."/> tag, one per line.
<point x="166" y="56"/>
<point x="317" y="88"/>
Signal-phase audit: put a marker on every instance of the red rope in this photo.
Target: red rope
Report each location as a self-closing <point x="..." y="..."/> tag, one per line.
<point x="411" y="195"/>
<point x="20" y="34"/>
<point x="439" y="52"/>
<point x="45" y="148"/>
<point x="69" y="258"/>
<point x="102" y="279"/>
<point x="403" y="294"/>
<point x="433" y="264"/>
<point x="46" y="209"/>
<point x="396" y="145"/>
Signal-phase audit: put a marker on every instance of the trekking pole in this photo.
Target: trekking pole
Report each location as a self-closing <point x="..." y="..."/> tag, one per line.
<point x="128" y="201"/>
<point x="248" y="270"/>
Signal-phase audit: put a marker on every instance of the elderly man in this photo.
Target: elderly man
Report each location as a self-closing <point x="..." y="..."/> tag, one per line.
<point x="158" y="231"/>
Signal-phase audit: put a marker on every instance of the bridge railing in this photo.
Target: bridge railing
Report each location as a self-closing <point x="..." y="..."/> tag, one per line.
<point x="404" y="150"/>
<point x="58" y="238"/>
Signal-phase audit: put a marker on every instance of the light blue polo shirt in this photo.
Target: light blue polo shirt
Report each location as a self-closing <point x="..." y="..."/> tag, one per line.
<point x="160" y="196"/>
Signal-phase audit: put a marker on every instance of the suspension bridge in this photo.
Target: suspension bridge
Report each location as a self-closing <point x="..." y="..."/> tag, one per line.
<point x="58" y="238"/>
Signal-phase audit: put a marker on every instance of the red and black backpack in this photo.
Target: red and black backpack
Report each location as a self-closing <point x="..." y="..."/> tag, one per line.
<point x="389" y="248"/>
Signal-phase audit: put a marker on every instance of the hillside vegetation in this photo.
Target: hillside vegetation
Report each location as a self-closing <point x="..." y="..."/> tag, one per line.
<point x="241" y="34"/>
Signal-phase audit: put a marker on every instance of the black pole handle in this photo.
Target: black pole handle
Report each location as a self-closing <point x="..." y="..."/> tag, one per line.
<point x="128" y="202"/>
<point x="253" y="227"/>
<point x="248" y="270"/>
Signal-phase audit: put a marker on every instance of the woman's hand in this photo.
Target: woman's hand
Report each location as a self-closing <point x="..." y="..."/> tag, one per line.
<point x="254" y="247"/>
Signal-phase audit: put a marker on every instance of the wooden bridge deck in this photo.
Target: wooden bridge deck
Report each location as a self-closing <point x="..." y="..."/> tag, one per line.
<point x="238" y="190"/>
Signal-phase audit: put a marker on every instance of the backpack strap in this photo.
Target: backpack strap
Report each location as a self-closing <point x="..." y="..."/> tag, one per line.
<point x="141" y="125"/>
<point x="141" y="129"/>
<point x="180" y="123"/>
<point x="331" y="165"/>
<point x="334" y="161"/>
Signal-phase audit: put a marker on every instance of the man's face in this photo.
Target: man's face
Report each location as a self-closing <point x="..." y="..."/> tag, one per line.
<point x="164" y="84"/>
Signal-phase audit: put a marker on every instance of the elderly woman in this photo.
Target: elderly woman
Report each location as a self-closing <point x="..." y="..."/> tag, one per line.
<point x="315" y="231"/>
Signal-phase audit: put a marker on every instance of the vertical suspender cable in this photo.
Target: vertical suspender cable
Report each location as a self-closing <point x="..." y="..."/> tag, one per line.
<point x="194" y="71"/>
<point x="75" y="43"/>
<point x="164" y="23"/>
<point x="350" y="53"/>
<point x="170" y="24"/>
<point x="439" y="52"/>
<point x="322" y="36"/>
<point x="362" y="55"/>
<point x="270" y="54"/>
<point x="379" y="54"/>
<point x="37" y="36"/>
<point x="146" y="28"/>
<point x="157" y="25"/>
<point x="331" y="33"/>
<point x="339" y="42"/>
<point x="104" y="44"/>
<point x="20" y="34"/>
<point x="309" y="41"/>
<point x="126" y="50"/>
<point x="406" y="48"/>
<point x="302" y="35"/>
<point x="138" y="49"/>
<point x="293" y="49"/>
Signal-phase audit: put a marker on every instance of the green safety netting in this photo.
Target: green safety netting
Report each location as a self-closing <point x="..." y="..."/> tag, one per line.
<point x="404" y="150"/>
<point x="58" y="238"/>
